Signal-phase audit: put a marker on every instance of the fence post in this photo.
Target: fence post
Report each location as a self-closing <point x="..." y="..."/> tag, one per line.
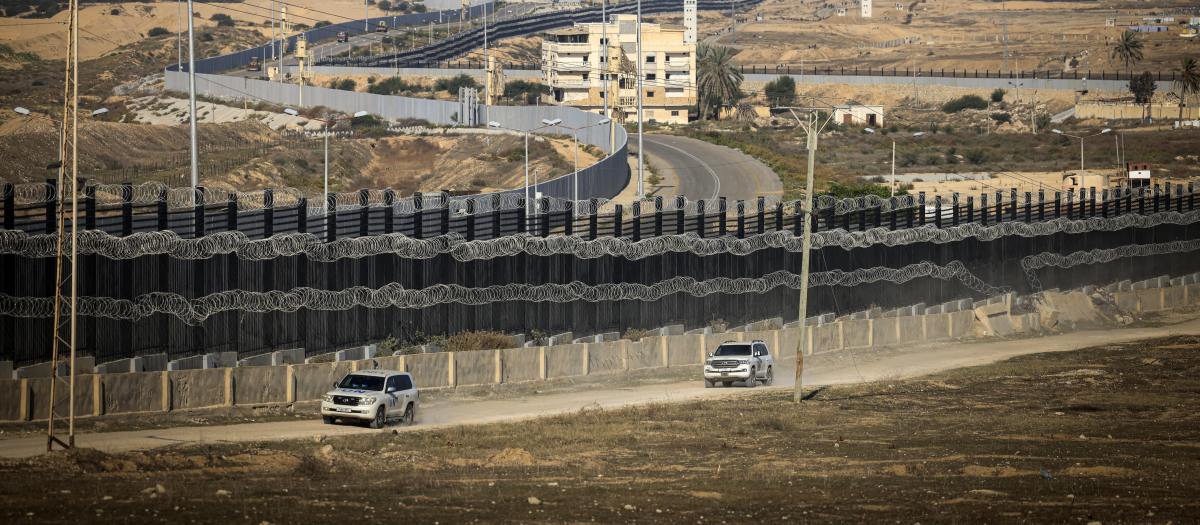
<point x="569" y="215"/>
<point x="658" y="216"/>
<point x="700" y="218"/>
<point x="1013" y="196"/>
<point x="331" y="217"/>
<point x="543" y="206"/>
<point x="983" y="209"/>
<point x="617" y="221"/>
<point x="741" y="219"/>
<point x="680" y="204"/>
<point x="1041" y="205"/>
<point x="920" y="208"/>
<point x="198" y="210"/>
<point x="937" y="211"/>
<point x="364" y="218"/>
<point x="126" y="209"/>
<point x="302" y="215"/>
<point x="970" y="209"/>
<point x="52" y="195"/>
<point x="778" y="216"/>
<point x="1092" y="201"/>
<point x="389" y="211"/>
<point x="418" y="215"/>
<point x="1071" y="203"/>
<point x="164" y="217"/>
<point x="637" y="221"/>
<point x="471" y="219"/>
<point x="593" y="219"/>
<point x="1028" y="207"/>
<point x="268" y="212"/>
<point x="443" y="213"/>
<point x="495" y="216"/>
<point x="89" y="208"/>
<point x="1167" y="196"/>
<point x="1179" y="198"/>
<point x="723" y="210"/>
<point x="954" y="210"/>
<point x="522" y="215"/>
<point x="1191" y="191"/>
<point x="762" y="215"/>
<point x="10" y="206"/>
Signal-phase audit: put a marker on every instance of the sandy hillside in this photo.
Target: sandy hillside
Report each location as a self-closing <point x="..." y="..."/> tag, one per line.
<point x="101" y="32"/>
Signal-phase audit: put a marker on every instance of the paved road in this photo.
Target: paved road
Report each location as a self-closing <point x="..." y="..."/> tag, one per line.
<point x="912" y="362"/>
<point x="707" y="171"/>
<point x="374" y="39"/>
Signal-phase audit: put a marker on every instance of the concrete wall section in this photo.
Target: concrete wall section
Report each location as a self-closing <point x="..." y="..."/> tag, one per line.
<point x="260" y="384"/>
<point x="885" y="331"/>
<point x="197" y="388"/>
<point x="1150" y="299"/>
<point x="520" y="364"/>
<point x="685" y="350"/>
<point x="429" y="370"/>
<point x="1174" y="297"/>
<point x="962" y="324"/>
<point x="825" y="338"/>
<point x="10" y="399"/>
<point x="856" y="334"/>
<point x="606" y="357"/>
<point x="785" y="343"/>
<point x="476" y="367"/>
<point x="647" y="353"/>
<point x="127" y="393"/>
<point x="937" y="326"/>
<point x="566" y="360"/>
<point x="313" y="381"/>
<point x="912" y="328"/>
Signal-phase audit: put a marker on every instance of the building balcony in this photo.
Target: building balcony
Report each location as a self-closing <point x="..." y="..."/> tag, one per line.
<point x="570" y="83"/>
<point x="676" y="66"/>
<point x="555" y="47"/>
<point x="570" y="66"/>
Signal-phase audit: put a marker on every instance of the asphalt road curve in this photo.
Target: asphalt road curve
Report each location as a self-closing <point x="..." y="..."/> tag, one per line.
<point x="707" y="171"/>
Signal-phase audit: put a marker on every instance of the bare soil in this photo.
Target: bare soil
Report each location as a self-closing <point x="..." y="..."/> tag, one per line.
<point x="1102" y="434"/>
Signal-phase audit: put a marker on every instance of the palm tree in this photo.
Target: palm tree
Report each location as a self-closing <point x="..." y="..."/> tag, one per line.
<point x="716" y="78"/>
<point x="1188" y="82"/>
<point x="1128" y="47"/>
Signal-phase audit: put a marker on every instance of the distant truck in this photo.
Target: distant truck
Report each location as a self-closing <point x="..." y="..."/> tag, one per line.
<point x="254" y="65"/>
<point x="747" y="362"/>
<point x="343" y="37"/>
<point x="381" y="28"/>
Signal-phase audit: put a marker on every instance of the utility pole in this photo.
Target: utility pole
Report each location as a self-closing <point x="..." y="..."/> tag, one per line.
<point x="488" y="86"/>
<point x="192" y="101"/>
<point x="179" y="34"/>
<point x="604" y="49"/>
<point x="732" y="21"/>
<point x="641" y="189"/>
<point x="1004" y="7"/>
<point x="807" y="216"/>
<point x="366" y="16"/>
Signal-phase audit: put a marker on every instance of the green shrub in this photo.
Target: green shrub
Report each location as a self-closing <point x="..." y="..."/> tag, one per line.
<point x="1043" y="121"/>
<point x="965" y="102"/>
<point x="783" y="87"/>
<point x="451" y="85"/>
<point x="157" y="31"/>
<point x="1002" y="118"/>
<point x="346" y="84"/>
<point x="976" y="156"/>
<point x="115" y="12"/>
<point x="998" y="95"/>
<point x="366" y="121"/>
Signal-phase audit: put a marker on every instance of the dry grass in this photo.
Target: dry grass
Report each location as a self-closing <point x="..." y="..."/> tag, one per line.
<point x="485" y="340"/>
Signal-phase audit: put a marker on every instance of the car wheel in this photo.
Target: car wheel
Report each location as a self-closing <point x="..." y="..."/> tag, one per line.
<point x="727" y="384"/>
<point x="329" y="420"/>
<point x="752" y="381"/>
<point x="708" y="384"/>
<point x="380" y="418"/>
<point x="409" y="416"/>
<point x="770" y="377"/>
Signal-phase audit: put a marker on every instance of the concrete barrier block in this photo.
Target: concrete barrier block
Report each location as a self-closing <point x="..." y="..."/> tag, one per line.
<point x="684" y="350"/>
<point x="258" y="360"/>
<point x="1150" y="299"/>
<point x="293" y="356"/>
<point x="785" y="341"/>
<point x="1001" y="325"/>
<point x="1125" y="286"/>
<point x="259" y="384"/>
<point x="561" y="339"/>
<point x="616" y="336"/>
<point x="520" y="364"/>
<point x="476" y="367"/>
<point x="197" y="388"/>
<point x="83" y="365"/>
<point x="588" y="340"/>
<point x="699" y="331"/>
<point x="962" y="324"/>
<point x="395" y="362"/>
<point x="675" y="329"/>
<point x="766" y="336"/>
<point x="1178" y="281"/>
<point x="1192" y="293"/>
<point x="1128" y="301"/>
<point x="933" y="310"/>
<point x="825" y="338"/>
<point x="647" y="353"/>
<point x="128" y="393"/>
<point x="6" y="370"/>
<point x="912" y="329"/>
<point x="856" y="334"/>
<point x="950" y="307"/>
<point x="606" y="357"/>
<point x="885" y="332"/>
<point x="566" y="361"/>
<point x="1164" y="281"/>
<point x="313" y="381"/>
<point x="937" y="327"/>
<point x="518" y="340"/>
<point x="10" y="399"/>
<point x="1174" y="297"/>
<point x="1027" y="323"/>
<point x="1138" y="286"/>
<point x="1072" y="306"/>
<point x="429" y="370"/>
<point x="996" y="299"/>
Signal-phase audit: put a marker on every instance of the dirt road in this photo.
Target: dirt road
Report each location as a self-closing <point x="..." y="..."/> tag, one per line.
<point x="906" y="363"/>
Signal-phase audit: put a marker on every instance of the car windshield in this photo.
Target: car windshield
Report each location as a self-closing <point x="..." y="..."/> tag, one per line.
<point x="357" y="382"/>
<point x="733" y="350"/>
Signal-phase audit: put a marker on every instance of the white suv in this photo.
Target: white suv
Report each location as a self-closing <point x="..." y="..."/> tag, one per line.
<point x="372" y="395"/>
<point x="748" y="362"/>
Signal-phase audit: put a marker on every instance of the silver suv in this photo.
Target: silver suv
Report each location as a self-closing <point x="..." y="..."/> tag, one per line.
<point x="372" y="395"/>
<point x="748" y="362"/>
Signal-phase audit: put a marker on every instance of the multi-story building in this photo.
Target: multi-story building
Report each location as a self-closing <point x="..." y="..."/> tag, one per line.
<point x="588" y="63"/>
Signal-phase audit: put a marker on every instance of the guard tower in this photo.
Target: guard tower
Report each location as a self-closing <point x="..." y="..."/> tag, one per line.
<point x="866" y="8"/>
<point x="689" y="21"/>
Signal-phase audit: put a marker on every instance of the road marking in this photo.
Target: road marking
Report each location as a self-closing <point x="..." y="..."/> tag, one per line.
<point x="717" y="190"/>
<point x="757" y="183"/>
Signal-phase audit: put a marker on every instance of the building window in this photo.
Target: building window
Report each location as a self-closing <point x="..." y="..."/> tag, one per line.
<point x="650" y="76"/>
<point x="585" y="75"/>
<point x="649" y="59"/>
<point x="649" y="94"/>
<point x="674" y="113"/>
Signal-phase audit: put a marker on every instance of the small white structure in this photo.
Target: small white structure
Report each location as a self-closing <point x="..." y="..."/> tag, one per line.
<point x="859" y="114"/>
<point x="866" y="8"/>
<point x="841" y="11"/>
<point x="689" y="21"/>
<point x="1110" y="22"/>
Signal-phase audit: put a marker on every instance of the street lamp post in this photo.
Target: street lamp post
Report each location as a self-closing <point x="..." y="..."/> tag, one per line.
<point x="894" y="139"/>
<point x="294" y="113"/>
<point x="1105" y="130"/>
<point x="23" y="111"/>
<point x="575" y="133"/>
<point x="548" y="123"/>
